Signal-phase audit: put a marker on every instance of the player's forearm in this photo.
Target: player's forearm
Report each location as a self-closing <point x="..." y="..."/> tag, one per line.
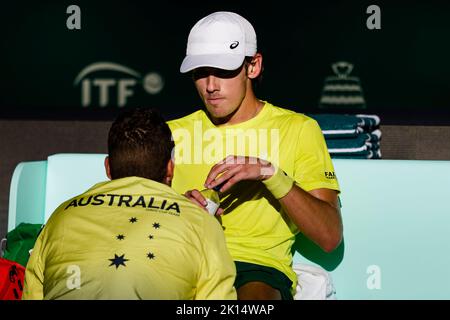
<point x="316" y="219"/>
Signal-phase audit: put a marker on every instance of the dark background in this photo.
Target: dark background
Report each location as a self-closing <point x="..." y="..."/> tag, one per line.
<point x="403" y="68"/>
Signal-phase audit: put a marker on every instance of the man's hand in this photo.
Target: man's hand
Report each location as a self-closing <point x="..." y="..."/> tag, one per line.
<point x="236" y="168"/>
<point x="196" y="197"/>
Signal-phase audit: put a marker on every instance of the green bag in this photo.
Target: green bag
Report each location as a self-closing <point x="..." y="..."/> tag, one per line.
<point x="20" y="241"/>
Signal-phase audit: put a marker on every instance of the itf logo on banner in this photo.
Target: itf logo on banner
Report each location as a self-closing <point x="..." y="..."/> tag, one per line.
<point x="121" y="87"/>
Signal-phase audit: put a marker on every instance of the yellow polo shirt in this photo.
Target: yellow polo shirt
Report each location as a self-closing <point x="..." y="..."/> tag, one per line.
<point x="130" y="238"/>
<point x="257" y="230"/>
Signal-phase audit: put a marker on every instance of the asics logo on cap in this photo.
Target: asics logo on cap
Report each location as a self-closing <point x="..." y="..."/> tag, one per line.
<point x="234" y="45"/>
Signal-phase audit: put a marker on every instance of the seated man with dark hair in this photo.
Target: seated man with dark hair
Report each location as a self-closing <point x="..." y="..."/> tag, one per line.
<point x="132" y="237"/>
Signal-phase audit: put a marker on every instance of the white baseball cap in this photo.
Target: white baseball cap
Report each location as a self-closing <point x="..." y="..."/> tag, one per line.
<point x="220" y="40"/>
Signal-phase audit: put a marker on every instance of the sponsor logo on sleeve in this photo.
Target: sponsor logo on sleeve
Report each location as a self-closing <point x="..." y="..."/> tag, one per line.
<point x="330" y="175"/>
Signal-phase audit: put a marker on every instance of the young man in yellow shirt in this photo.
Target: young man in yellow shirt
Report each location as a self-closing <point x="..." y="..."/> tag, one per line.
<point x="132" y="237"/>
<point x="276" y="173"/>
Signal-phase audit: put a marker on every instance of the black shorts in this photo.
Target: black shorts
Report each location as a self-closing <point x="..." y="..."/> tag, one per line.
<point x="247" y="272"/>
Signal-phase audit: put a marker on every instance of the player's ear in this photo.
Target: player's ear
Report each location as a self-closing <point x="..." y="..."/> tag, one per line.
<point x="254" y="68"/>
<point x="169" y="172"/>
<point x="107" y="168"/>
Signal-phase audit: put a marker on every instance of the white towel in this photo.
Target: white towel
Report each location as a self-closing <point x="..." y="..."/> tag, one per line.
<point x="314" y="283"/>
<point x="374" y="117"/>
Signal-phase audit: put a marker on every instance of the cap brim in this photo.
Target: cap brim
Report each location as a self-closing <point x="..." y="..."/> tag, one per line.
<point x="220" y="61"/>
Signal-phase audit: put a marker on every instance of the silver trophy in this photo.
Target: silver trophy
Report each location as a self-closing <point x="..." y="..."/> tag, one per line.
<point x="342" y="91"/>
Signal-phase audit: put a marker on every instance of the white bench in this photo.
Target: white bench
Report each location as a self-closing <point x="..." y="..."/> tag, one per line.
<point x="395" y="212"/>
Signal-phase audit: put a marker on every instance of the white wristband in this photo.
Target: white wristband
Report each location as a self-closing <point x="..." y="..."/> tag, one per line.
<point x="279" y="184"/>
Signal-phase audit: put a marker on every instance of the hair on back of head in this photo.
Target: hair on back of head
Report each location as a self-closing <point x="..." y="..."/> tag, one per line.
<point x="139" y="144"/>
